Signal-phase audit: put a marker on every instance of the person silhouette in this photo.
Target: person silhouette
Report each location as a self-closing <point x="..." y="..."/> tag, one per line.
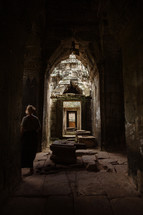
<point x="30" y="127"/>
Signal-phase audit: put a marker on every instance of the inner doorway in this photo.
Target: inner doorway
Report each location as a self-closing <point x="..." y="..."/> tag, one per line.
<point x="71" y="117"/>
<point x="71" y="120"/>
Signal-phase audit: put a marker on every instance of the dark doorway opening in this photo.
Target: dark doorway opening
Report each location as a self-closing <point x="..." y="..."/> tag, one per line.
<point x="71" y="120"/>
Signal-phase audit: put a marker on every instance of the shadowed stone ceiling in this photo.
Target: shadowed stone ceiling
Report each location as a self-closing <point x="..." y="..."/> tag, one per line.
<point x="68" y="21"/>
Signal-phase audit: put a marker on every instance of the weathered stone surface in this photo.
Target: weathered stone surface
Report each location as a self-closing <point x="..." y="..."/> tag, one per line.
<point x="75" y="191"/>
<point x="41" y="156"/>
<point x="140" y="180"/>
<point x="102" y="155"/>
<point x="92" y="205"/>
<point x="90" y="163"/>
<point x="121" y="169"/>
<point x="88" y="184"/>
<point x="116" y="185"/>
<point x="88" y="159"/>
<point x="56" y="184"/>
<point x="106" y="165"/>
<point x="24" y="205"/>
<point x="80" y="145"/>
<point x="30" y="186"/>
<point x="92" y="167"/>
<point x="61" y="205"/>
<point x="89" y="141"/>
<point x="63" y="153"/>
<point x="85" y="152"/>
<point x="128" y="205"/>
<point x="82" y="132"/>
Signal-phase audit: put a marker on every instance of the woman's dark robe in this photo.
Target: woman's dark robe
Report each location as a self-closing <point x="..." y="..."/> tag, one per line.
<point x="29" y="140"/>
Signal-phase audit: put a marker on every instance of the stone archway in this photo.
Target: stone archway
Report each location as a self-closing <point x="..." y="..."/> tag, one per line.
<point x="86" y="121"/>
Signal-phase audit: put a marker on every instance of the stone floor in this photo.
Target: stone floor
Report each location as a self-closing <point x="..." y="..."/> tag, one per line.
<point x="97" y="184"/>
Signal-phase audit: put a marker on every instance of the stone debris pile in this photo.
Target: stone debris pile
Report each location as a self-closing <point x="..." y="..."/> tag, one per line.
<point x="70" y="158"/>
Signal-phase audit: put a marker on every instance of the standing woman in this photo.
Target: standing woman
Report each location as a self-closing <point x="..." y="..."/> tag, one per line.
<point x="30" y="127"/>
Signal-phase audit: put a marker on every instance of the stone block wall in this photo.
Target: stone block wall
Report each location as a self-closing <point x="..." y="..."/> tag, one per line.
<point x="130" y="35"/>
<point x="11" y="71"/>
<point x="15" y="22"/>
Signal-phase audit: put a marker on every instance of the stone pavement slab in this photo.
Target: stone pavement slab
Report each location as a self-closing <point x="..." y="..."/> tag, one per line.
<point x="102" y="155"/>
<point x="71" y="176"/>
<point x="116" y="185"/>
<point x="88" y="159"/>
<point x="103" y="183"/>
<point x="31" y="186"/>
<point x="87" y="184"/>
<point x="40" y="160"/>
<point x="76" y="191"/>
<point x="106" y="165"/>
<point x="88" y="205"/>
<point x="121" y="158"/>
<point x="56" y="184"/>
<point x="25" y="206"/>
<point x="127" y="206"/>
<point x="59" y="205"/>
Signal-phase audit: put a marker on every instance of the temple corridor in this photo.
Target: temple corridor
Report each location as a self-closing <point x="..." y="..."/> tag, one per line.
<point x="79" y="62"/>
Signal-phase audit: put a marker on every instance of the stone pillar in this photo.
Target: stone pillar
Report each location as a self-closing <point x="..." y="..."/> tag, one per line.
<point x="133" y="85"/>
<point x="11" y="67"/>
<point x="95" y="109"/>
<point x="53" y="119"/>
<point x="127" y="28"/>
<point x="86" y="114"/>
<point x="112" y="95"/>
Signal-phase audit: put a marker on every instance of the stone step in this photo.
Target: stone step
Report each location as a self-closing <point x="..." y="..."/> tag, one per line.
<point x="89" y="141"/>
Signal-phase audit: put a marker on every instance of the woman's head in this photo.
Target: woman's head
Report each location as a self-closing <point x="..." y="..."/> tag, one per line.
<point x="30" y="109"/>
